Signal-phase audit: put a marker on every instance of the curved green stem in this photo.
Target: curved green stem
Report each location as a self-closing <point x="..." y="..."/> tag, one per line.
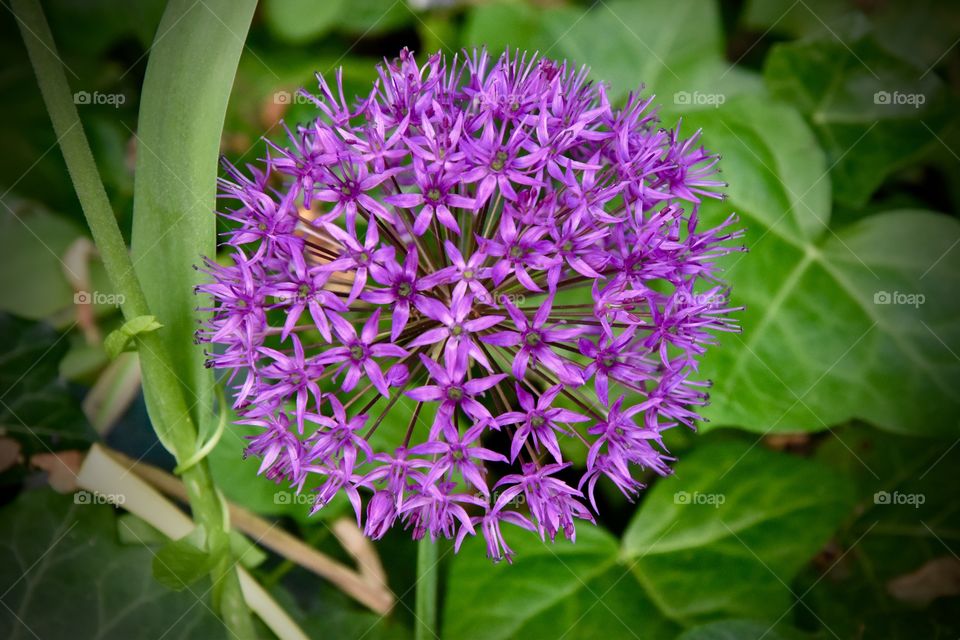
<point x="426" y="605"/>
<point x="170" y="413"/>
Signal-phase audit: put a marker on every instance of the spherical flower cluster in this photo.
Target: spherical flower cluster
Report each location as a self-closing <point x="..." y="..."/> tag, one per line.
<point x="490" y="254"/>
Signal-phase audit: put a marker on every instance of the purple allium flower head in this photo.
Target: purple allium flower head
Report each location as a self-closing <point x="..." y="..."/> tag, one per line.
<point x="442" y="291"/>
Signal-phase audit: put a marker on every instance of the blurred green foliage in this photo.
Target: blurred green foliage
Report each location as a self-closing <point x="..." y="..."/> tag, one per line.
<point x="837" y="123"/>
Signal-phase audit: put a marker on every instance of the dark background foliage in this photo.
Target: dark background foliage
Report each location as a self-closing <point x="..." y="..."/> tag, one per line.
<point x="819" y="501"/>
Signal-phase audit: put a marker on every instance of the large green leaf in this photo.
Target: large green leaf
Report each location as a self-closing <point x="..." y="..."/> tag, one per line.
<point x="817" y="348"/>
<point x="36" y="406"/>
<point x="794" y="18"/>
<point x="557" y="590"/>
<point x="626" y="44"/>
<point x="921" y="31"/>
<point x="64" y="575"/>
<point x="907" y="517"/>
<point x="727" y="533"/>
<point x="873" y="112"/>
<point x="861" y="323"/>
<point x="773" y="164"/>
<point x="737" y="630"/>
<point x="329" y="613"/>
<point x="712" y="543"/>
<point x="184" y="100"/>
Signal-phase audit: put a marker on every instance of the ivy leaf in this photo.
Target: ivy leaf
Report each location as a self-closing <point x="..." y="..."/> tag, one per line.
<point x="704" y="545"/>
<point x="333" y="612"/>
<point x="67" y="576"/>
<point x="873" y="112"/>
<point x="738" y="630"/>
<point x="624" y="43"/>
<point x="823" y="304"/>
<point x="906" y="517"/>
<point x="734" y="525"/>
<point x="820" y="314"/>
<point x="557" y="590"/>
<point x="133" y="529"/>
<point x="921" y="31"/>
<point x="796" y="19"/>
<point x="36" y="405"/>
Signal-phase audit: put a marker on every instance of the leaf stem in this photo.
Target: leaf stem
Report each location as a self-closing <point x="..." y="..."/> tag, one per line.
<point x="426" y="605"/>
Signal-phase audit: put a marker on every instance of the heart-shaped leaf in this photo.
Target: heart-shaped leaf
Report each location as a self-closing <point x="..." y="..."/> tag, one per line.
<point x="713" y="542"/>
<point x="36" y="406"/>
<point x="66" y="576"/>
<point x="858" y="322"/>
<point x="873" y="583"/>
<point x="728" y="532"/>
<point x="560" y="590"/>
<point x="873" y="112"/>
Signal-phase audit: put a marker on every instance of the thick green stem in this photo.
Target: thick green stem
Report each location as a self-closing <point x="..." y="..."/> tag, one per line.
<point x="426" y="605"/>
<point x="170" y="413"/>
